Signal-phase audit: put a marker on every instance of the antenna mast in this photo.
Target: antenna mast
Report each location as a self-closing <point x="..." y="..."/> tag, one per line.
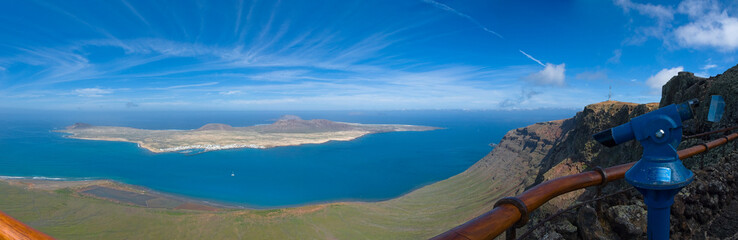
<point x="609" y="94"/>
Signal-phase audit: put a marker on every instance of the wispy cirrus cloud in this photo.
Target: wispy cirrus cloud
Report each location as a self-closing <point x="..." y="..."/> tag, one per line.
<point x="662" y="13"/>
<point x="663" y="16"/>
<point x="135" y="12"/>
<point x="92" y="92"/>
<point x="232" y="92"/>
<point x="616" y="54"/>
<point x="268" y="54"/>
<point x="191" y="85"/>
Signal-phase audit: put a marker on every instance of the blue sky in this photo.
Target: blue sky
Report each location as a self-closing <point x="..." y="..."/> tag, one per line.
<point x="354" y="55"/>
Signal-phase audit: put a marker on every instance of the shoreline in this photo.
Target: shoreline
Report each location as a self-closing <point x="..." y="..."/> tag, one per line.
<point x="81" y="186"/>
<point x="117" y="192"/>
<point x="211" y="147"/>
<point x="78" y="185"/>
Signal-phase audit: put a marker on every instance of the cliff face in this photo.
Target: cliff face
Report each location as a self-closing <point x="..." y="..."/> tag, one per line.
<point x="520" y="152"/>
<point x="543" y="151"/>
<point x="705" y="209"/>
<point x="576" y="151"/>
<point x="527" y="156"/>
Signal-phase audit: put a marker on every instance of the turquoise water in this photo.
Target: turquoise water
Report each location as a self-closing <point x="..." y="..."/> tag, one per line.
<point x="371" y="168"/>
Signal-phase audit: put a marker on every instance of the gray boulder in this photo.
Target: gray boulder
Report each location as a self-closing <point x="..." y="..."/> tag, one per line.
<point x="628" y="221"/>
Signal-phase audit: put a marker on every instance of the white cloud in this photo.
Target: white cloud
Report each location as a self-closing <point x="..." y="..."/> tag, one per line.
<point x="706" y="69"/>
<point x="280" y="76"/>
<point x="662" y="15"/>
<point x="92" y="92"/>
<point x="709" y="24"/>
<point x="712" y="30"/>
<point x="709" y="66"/>
<point x="552" y="74"/>
<point x="655" y="11"/>
<point x="188" y="85"/>
<point x="616" y="54"/>
<point x="232" y="92"/>
<point x="697" y="8"/>
<point x="659" y="79"/>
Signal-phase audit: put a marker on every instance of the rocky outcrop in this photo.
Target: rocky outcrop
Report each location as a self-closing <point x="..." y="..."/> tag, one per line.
<point x="686" y="86"/>
<point x="576" y="151"/>
<point x="543" y="151"/>
<point x="592" y="230"/>
<point x="705" y="209"/>
<point x="629" y="221"/>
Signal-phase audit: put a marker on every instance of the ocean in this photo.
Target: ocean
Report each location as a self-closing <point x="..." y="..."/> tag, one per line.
<point x="371" y="168"/>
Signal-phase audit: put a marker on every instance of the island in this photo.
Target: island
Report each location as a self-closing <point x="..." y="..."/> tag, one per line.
<point x="289" y="130"/>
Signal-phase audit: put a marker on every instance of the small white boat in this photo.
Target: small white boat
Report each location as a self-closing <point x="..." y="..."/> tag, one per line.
<point x="233" y="174"/>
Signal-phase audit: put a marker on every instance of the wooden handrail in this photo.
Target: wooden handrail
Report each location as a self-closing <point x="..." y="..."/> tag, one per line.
<point x="12" y="229"/>
<point x="493" y="223"/>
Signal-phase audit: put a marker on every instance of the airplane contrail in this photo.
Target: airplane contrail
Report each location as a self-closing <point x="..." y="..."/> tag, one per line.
<point x="531" y="57"/>
<point x="449" y="9"/>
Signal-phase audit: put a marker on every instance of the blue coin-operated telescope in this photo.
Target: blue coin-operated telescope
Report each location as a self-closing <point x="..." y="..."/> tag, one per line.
<point x="659" y="174"/>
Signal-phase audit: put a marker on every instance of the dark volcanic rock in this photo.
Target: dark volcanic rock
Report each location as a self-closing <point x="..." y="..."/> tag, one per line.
<point x="590" y="227"/>
<point x="568" y="148"/>
<point x="628" y="221"/>
<point x="705" y="209"/>
<point x="686" y="86"/>
<point x="577" y="151"/>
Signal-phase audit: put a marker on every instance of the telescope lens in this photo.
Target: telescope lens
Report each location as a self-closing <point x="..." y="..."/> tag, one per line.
<point x="685" y="109"/>
<point x="605" y="137"/>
